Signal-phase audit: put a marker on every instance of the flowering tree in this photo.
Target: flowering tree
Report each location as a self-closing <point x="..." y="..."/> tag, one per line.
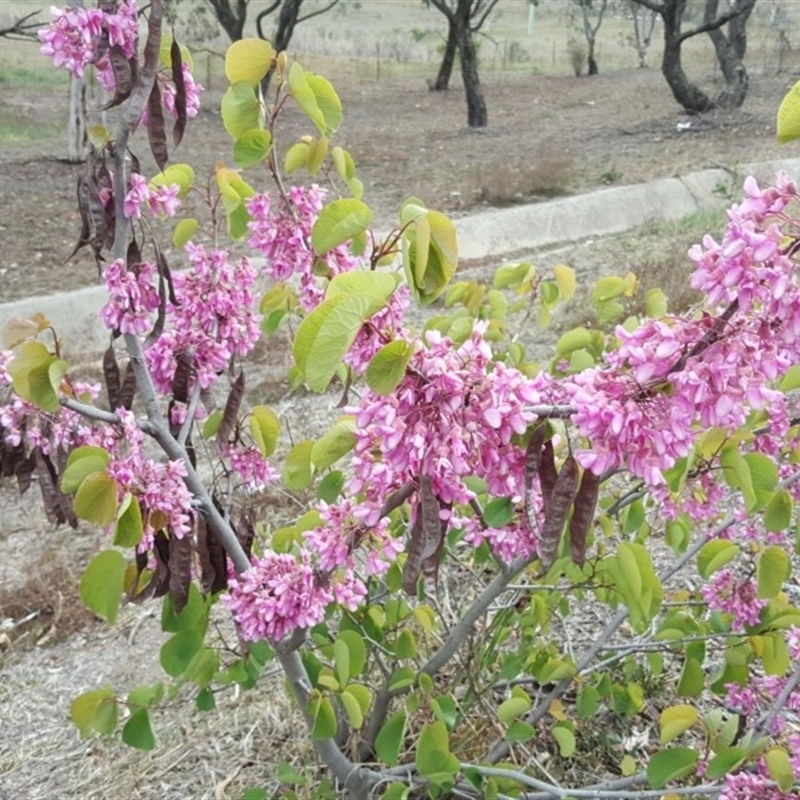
<point x="464" y="506"/>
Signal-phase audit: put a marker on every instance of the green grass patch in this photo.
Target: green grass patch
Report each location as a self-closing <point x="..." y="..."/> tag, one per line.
<point x="15" y="131"/>
<point x="32" y="77"/>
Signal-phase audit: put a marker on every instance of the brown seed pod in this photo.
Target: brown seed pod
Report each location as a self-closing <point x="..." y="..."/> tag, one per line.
<point x="556" y="511"/>
<point x="583" y="515"/>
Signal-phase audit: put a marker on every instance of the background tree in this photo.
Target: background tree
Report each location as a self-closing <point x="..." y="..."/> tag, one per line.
<point x="232" y="16"/>
<point x="730" y="51"/>
<point x="588" y="9"/>
<point x="644" y="21"/>
<point x="464" y="18"/>
<point x="25" y="28"/>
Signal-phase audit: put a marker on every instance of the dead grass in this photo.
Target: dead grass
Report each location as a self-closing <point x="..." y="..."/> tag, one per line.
<point x="545" y="174"/>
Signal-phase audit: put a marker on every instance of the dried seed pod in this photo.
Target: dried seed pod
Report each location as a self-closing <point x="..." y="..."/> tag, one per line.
<point x="533" y="459"/>
<point x="558" y="507"/>
<point x="583" y="515"/>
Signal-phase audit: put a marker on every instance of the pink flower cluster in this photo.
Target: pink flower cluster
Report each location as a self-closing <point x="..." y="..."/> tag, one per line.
<point x="192" y="91"/>
<point x="132" y="297"/>
<point x="276" y="596"/>
<point x="158" y="486"/>
<point x="749" y="786"/>
<point x="670" y="377"/>
<point x="730" y="595"/>
<point x="213" y="321"/>
<point x="160" y="199"/>
<point x="74" y="36"/>
<point x="281" y="232"/>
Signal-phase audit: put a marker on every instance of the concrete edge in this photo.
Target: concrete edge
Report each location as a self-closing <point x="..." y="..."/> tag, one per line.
<point x="495" y="233"/>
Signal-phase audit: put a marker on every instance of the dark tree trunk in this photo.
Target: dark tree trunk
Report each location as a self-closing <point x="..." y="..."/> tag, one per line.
<point x="231" y="14"/>
<point x="442" y="83"/>
<point x="693" y="99"/>
<point x="287" y="19"/>
<point x="591" y="60"/>
<point x="477" y="116"/>
<point x="464" y="17"/>
<point x="730" y="52"/>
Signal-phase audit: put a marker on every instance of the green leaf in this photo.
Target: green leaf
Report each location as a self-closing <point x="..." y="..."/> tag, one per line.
<point x="565" y="280"/>
<point x="194" y="615"/>
<point x="675" y="720"/>
<point x="576" y="339"/>
<point x="565" y="737"/>
<point x="778" y="513"/>
<point x="498" y="512"/>
<point x="655" y="303"/>
<point x="714" y="555"/>
<point x="355" y="716"/>
<point x="387" y="367"/>
<point x="323" y="715"/>
<point x="129" y="528"/>
<point x="177" y="652"/>
<point x="183" y="232"/>
<point x="102" y="584"/>
<point x="389" y="741"/>
<point x="241" y="110"/>
<point x="296" y="157"/>
<point x="788" y="127"/>
<point x="248" y="61"/>
<point x="608" y="289"/>
<point x="772" y="569"/>
<point x="331" y="486"/>
<point x="433" y="755"/>
<point x="339" y="222"/>
<point x="430" y="252"/>
<point x="265" y="428"/>
<point x="671" y="765"/>
<point x="327" y="102"/>
<point x="298" y="470"/>
<point x="95" y="711"/>
<point x="251" y="148"/>
<point x="725" y="762"/>
<point x="791" y="379"/>
<point x="327" y="333"/>
<point x="763" y="471"/>
<point x="83" y="461"/>
<point x="401" y="678"/>
<point x="96" y="499"/>
<point x="180" y="174"/>
<point x="519" y="731"/>
<point x="780" y="768"/>
<point x="138" y="732"/>
<point x="692" y="679"/>
<point x="737" y="474"/>
<point x="334" y="444"/>
<point x="317" y="98"/>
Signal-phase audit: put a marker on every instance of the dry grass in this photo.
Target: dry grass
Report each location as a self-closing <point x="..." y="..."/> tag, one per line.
<point x="545" y="174"/>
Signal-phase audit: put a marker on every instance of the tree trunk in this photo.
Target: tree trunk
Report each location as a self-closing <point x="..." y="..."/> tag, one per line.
<point x="730" y="52"/>
<point x="231" y="17"/>
<point x="77" y="140"/>
<point x="477" y="116"/>
<point x="693" y="99"/>
<point x="591" y="60"/>
<point x="442" y="83"/>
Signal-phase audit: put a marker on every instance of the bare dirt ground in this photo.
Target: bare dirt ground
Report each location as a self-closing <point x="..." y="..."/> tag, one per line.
<point x="548" y="135"/>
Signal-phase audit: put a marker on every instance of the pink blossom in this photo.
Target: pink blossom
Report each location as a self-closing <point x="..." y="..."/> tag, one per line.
<point x="276" y="596"/>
